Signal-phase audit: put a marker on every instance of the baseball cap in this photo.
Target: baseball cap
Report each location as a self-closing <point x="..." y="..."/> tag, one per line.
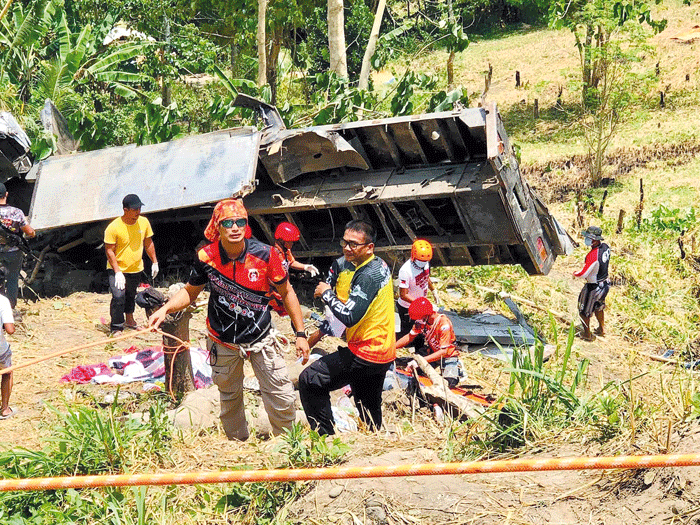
<point x="131" y="202"/>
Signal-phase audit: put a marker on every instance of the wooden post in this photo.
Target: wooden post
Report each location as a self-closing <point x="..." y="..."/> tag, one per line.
<point x="640" y="206"/>
<point x="662" y="99"/>
<point x="687" y="78"/>
<point x="620" y="221"/>
<point x="602" y="202"/>
<point x="517" y="79"/>
<point x="537" y="109"/>
<point x="178" y="374"/>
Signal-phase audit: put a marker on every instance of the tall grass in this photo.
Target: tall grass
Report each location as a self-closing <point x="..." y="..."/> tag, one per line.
<point x="84" y="440"/>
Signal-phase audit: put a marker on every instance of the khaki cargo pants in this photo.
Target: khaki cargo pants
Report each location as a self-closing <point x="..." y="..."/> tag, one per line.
<point x="275" y="387"/>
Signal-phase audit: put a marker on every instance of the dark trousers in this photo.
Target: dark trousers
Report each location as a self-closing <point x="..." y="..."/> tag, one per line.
<point x="122" y="300"/>
<point x="13" y="262"/>
<point x="334" y="371"/>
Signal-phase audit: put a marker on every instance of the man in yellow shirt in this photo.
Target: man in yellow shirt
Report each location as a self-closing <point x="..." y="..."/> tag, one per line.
<point x="125" y="239"/>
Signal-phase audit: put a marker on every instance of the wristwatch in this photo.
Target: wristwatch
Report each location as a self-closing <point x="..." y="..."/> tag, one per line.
<point x="301" y="334"/>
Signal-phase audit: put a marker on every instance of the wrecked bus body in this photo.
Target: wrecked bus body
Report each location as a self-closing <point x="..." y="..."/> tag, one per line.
<point x="448" y="177"/>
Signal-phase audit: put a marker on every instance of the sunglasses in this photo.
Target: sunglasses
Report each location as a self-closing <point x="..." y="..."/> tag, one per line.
<point x="352" y="244"/>
<point x="228" y="223"/>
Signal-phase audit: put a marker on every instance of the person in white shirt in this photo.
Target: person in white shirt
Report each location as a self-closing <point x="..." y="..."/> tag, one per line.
<point x="8" y="322"/>
<point x="414" y="282"/>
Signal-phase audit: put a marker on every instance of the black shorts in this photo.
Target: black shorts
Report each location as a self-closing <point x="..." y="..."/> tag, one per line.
<point x="592" y="298"/>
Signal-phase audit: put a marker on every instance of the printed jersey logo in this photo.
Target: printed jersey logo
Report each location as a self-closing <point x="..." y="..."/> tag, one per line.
<point x="253" y="275"/>
<point x="357" y="291"/>
<point x="606" y="256"/>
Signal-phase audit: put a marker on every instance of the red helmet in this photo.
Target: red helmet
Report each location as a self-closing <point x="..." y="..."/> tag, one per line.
<point x="287" y="232"/>
<point x="420" y="308"/>
<point x="248" y="232"/>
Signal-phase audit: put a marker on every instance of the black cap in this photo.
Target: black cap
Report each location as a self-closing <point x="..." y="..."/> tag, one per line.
<point x="593" y="232"/>
<point x="132" y="202"/>
<point x="3" y="189"/>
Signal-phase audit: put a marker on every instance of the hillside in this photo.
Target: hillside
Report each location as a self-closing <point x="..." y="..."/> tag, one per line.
<point x="623" y="402"/>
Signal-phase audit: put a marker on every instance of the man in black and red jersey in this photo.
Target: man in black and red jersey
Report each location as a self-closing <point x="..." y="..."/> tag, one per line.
<point x="595" y="272"/>
<point x="241" y="274"/>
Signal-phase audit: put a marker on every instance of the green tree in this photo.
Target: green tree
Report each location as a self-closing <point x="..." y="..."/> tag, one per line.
<point x="610" y="37"/>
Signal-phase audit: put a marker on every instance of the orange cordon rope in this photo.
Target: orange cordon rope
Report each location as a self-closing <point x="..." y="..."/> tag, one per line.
<point x="74" y="349"/>
<point x="310" y="474"/>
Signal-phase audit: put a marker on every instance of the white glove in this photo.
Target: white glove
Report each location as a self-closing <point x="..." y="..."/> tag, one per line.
<point x="412" y="365"/>
<point x="119" y="280"/>
<point x="436" y="296"/>
<point x="154" y="270"/>
<point x="312" y="270"/>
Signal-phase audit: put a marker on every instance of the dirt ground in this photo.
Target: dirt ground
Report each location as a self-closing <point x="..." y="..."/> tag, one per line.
<point x="612" y="497"/>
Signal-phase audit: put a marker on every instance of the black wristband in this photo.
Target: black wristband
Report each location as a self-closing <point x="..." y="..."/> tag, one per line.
<point x="301" y="334"/>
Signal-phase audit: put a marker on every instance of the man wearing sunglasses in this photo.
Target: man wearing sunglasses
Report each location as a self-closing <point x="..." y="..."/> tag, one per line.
<point x="364" y="302"/>
<point x="241" y="274"/>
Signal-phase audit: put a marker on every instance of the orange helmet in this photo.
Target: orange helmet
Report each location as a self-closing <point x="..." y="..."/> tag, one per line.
<point x="248" y="232"/>
<point x="287" y="232"/>
<point x="420" y="308"/>
<point x="421" y="250"/>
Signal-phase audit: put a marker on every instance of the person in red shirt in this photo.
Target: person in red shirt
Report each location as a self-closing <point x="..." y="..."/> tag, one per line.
<point x="286" y="235"/>
<point x="591" y="300"/>
<point x="241" y="274"/>
<point x="438" y="333"/>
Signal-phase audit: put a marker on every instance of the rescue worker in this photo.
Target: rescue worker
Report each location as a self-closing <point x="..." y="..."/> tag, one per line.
<point x="241" y="273"/>
<point x="286" y="235"/>
<point x="438" y="333"/>
<point x="14" y="223"/>
<point x="414" y="282"/>
<point x="595" y="271"/>
<point x="125" y="239"/>
<point x="368" y="315"/>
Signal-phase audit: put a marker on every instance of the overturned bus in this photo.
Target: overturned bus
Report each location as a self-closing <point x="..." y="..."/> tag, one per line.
<point x="448" y="177"/>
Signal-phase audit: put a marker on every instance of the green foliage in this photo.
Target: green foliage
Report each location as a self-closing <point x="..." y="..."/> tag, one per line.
<point x="402" y="103"/>
<point x="442" y="101"/>
<point x="537" y="396"/>
<point x="156" y="123"/>
<point x="317" y="453"/>
<point x="666" y="221"/>
<point x="82" y="441"/>
<point x="338" y="100"/>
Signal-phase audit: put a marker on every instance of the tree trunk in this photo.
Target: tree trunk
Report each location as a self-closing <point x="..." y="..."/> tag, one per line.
<point x="178" y="365"/>
<point x="371" y="45"/>
<point x="166" y="91"/>
<point x="273" y="63"/>
<point x="336" y="38"/>
<point x="450" y="70"/>
<point x="262" y="52"/>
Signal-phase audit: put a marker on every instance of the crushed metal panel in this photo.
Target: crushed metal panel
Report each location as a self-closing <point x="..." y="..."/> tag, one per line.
<point x="288" y="154"/>
<point x="192" y="171"/>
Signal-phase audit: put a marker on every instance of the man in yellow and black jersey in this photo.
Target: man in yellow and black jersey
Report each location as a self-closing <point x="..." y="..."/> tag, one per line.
<point x="368" y="314"/>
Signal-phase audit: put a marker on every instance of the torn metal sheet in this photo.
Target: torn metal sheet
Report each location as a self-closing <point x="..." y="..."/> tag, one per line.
<point x="192" y="171"/>
<point x="15" y="157"/>
<point x="487" y="327"/>
<point x="292" y="153"/>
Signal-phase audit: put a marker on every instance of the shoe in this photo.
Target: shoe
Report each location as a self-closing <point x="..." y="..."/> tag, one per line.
<point x="599" y="332"/>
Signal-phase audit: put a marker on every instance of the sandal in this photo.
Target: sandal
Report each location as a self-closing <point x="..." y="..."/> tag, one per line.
<point x="12" y="413"/>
